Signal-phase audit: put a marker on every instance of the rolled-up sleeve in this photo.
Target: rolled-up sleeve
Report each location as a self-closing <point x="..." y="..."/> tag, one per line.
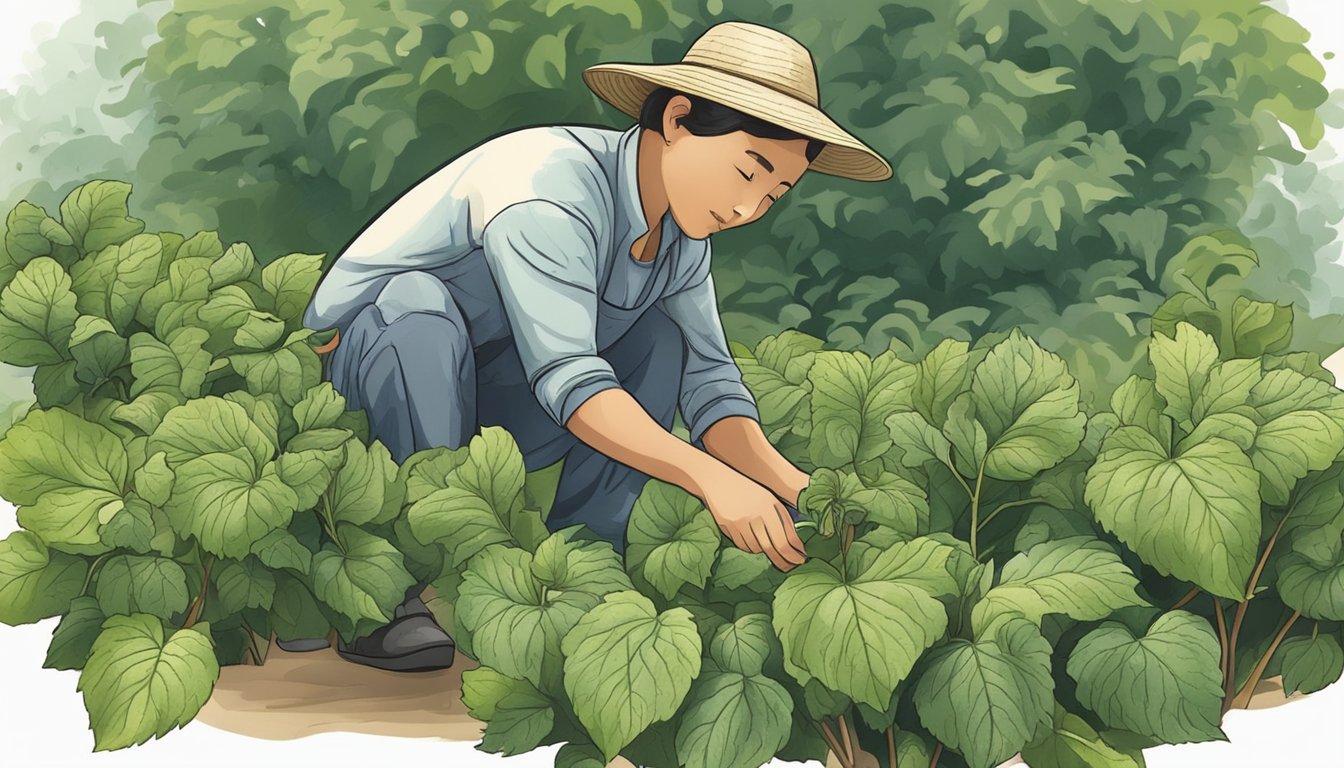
<point x="711" y="382"/>
<point x="543" y="258"/>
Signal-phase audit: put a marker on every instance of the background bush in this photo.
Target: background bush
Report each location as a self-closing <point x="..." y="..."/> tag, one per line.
<point x="1052" y="158"/>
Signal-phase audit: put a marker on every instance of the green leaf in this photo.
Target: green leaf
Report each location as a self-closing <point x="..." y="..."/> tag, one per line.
<point x="137" y="685"/>
<point x="243" y="584"/>
<point x="177" y="367"/>
<point x="210" y="425"/>
<point x="204" y="245"/>
<point x="1079" y="576"/>
<point x="222" y="500"/>
<point x="261" y="330"/>
<point x="295" y="614"/>
<point x="989" y="698"/>
<point x="73" y="639"/>
<point x="36" y="583"/>
<point x="733" y="720"/>
<point x="1195" y="515"/>
<point x="517" y="715"/>
<point x="852" y="397"/>
<point x="920" y="440"/>
<point x="232" y="266"/>
<point x="280" y="549"/>
<point x="1183" y="363"/>
<point x="37" y="315"/>
<point x="671" y="538"/>
<point x="967" y="436"/>
<point x="428" y="470"/>
<point x="365" y="488"/>
<point x="55" y="450"/>
<point x="29" y="234"/>
<point x="628" y="666"/>
<point x="1301" y="429"/>
<point x="1310" y="663"/>
<point x="289" y="371"/>
<point x="291" y="280"/>
<point x="482" y="503"/>
<point x="1136" y="403"/>
<point x="940" y="377"/>
<point x="860" y="636"/>
<point x="1166" y="684"/>
<point x="111" y="283"/>
<point x="320" y="407"/>
<point x="1311" y="575"/>
<point x="777" y="377"/>
<point x="308" y="472"/>
<point x="1028" y="404"/>
<point x="96" y="215"/>
<point x="154" y="480"/>
<point x="97" y="349"/>
<point x="576" y="755"/>
<point x="743" y="645"/>
<point x="1072" y="743"/>
<point x="142" y="584"/>
<point x="738" y="568"/>
<point x="366" y="579"/>
<point x="67" y="519"/>
<point x="134" y="525"/>
<point x="146" y="412"/>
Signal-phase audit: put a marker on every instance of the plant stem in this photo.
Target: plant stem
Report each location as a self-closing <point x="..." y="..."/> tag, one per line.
<point x="1222" y="637"/>
<point x="834" y="744"/>
<point x="1008" y="505"/>
<point x="195" y="610"/>
<point x="1243" y="698"/>
<point x="844" y="732"/>
<point x="88" y="577"/>
<point x="975" y="508"/>
<point x="952" y="466"/>
<point x="1188" y="597"/>
<point x="937" y="753"/>
<point x="891" y="744"/>
<point x="252" y="636"/>
<point x="1231" y="680"/>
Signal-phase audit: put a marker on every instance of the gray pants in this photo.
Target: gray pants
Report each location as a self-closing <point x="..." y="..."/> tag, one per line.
<point x="407" y="360"/>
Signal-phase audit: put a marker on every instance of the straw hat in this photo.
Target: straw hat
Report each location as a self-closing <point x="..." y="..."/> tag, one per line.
<point x="753" y="69"/>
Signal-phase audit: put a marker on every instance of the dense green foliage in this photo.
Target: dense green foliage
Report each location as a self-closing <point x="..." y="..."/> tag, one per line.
<point x="993" y="565"/>
<point x="1052" y="157"/>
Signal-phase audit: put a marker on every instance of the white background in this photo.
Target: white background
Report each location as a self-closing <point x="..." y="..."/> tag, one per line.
<point x="43" y="721"/>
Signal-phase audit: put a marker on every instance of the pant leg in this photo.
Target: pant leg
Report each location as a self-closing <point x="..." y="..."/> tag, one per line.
<point x="407" y="360"/>
<point x="600" y="491"/>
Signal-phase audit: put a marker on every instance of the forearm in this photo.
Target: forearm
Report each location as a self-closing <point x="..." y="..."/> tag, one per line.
<point x="739" y="442"/>
<point x="615" y="424"/>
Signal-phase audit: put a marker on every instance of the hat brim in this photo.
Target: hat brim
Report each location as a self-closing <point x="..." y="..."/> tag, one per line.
<point x="626" y="86"/>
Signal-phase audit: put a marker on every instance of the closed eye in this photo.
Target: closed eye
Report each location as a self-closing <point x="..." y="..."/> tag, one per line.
<point x="744" y="174"/>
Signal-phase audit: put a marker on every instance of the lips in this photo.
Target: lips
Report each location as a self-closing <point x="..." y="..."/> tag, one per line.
<point x="717" y="218"/>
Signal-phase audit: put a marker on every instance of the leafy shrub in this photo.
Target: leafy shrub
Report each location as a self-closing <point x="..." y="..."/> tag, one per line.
<point x="186" y="484"/>
<point x="993" y="566"/>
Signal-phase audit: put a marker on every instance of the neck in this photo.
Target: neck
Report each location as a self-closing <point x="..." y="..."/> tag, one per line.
<point x="652" y="194"/>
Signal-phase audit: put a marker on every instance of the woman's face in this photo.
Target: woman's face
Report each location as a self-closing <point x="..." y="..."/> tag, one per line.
<point x="720" y="182"/>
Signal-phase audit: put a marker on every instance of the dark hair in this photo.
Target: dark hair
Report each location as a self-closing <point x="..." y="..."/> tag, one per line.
<point x="710" y="118"/>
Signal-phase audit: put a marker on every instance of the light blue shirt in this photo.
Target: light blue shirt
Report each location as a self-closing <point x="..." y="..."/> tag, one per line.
<point x="531" y="231"/>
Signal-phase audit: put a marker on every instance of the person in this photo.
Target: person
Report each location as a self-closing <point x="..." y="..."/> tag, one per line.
<point x="555" y="280"/>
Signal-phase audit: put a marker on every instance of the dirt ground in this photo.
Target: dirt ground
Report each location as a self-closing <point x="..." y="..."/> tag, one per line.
<point x="299" y="694"/>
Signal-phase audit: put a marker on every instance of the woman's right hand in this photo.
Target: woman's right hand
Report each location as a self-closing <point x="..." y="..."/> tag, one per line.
<point x="753" y="518"/>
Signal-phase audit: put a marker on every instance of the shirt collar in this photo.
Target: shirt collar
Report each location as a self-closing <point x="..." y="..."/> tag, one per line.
<point x="627" y="175"/>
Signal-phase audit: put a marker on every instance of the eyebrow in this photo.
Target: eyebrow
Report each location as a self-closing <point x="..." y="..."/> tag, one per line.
<point x="768" y="165"/>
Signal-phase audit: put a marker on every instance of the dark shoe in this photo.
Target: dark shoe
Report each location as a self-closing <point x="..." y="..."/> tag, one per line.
<point x="412" y="642"/>
<point x="303" y="644"/>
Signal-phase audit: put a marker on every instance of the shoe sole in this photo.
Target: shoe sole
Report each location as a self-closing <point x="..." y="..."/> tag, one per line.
<point x="422" y="660"/>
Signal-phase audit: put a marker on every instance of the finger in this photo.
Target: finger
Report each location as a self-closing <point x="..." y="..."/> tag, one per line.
<point x="791" y="535"/>
<point x="759" y="528"/>
<point x="774" y="529"/>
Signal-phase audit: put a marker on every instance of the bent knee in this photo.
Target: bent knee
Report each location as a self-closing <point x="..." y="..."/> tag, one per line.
<point x="416" y="291"/>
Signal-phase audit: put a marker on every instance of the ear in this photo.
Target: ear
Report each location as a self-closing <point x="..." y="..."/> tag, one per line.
<point x="678" y="107"/>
